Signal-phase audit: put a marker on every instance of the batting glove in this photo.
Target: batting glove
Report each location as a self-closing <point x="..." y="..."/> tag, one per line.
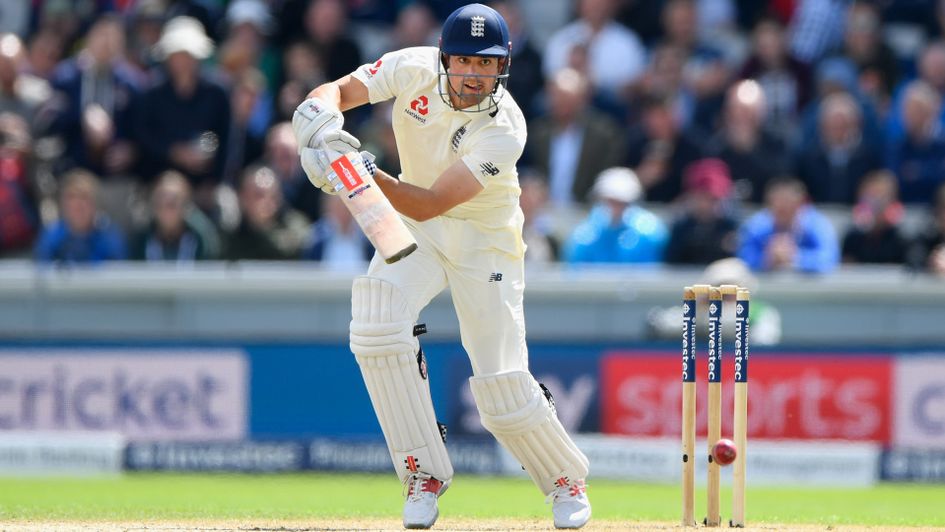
<point x="317" y="161"/>
<point x="312" y="119"/>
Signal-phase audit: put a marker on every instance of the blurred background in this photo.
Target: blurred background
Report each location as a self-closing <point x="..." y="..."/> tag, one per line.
<point x="174" y="294"/>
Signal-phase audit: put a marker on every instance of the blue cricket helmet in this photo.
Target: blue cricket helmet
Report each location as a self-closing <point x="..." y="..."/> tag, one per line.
<point x="476" y="30"/>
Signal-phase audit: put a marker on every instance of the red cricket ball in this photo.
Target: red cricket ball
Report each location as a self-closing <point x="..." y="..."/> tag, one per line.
<point x="724" y="452"/>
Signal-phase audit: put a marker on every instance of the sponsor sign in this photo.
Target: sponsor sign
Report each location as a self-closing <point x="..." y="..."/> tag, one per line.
<point x="243" y="456"/>
<point x="913" y="465"/>
<point x="920" y="402"/>
<point x="790" y="396"/>
<point x="768" y="463"/>
<point x="60" y="454"/>
<point x="142" y="394"/>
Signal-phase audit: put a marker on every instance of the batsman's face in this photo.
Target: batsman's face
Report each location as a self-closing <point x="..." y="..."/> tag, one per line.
<point x="471" y="78"/>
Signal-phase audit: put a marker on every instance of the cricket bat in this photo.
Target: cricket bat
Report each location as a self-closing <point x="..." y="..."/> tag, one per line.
<point x="371" y="208"/>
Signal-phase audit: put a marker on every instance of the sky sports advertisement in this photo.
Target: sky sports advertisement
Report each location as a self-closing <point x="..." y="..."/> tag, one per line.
<point x="303" y="406"/>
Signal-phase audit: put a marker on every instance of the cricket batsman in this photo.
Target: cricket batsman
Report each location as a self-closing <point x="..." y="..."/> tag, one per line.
<point x="459" y="133"/>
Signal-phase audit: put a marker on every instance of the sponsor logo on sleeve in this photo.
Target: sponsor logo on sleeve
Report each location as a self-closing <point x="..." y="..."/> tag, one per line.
<point x="489" y="169"/>
<point x="372" y="70"/>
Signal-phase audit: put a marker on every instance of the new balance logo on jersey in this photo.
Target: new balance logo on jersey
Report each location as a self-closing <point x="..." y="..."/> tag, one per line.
<point x="489" y="169"/>
<point x="457" y="138"/>
<point x="478" y="27"/>
<point x="495" y="277"/>
<point x="419" y="109"/>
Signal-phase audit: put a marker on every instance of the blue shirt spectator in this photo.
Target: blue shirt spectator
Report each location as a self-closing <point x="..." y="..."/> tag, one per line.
<point x="616" y="231"/>
<point x="930" y="69"/>
<point x="81" y="235"/>
<point x="918" y="158"/>
<point x="789" y="234"/>
<point x="95" y="92"/>
<point x="336" y="239"/>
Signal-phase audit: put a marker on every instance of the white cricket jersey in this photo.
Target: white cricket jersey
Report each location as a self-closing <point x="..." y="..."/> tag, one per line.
<point x="431" y="136"/>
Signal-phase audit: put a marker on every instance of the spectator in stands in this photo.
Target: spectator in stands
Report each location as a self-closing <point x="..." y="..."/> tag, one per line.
<point x="326" y="23"/>
<point x="833" y="167"/>
<point x="542" y="245"/>
<point x="336" y="239"/>
<point x="67" y="18"/>
<point x="249" y="63"/>
<point x="529" y="79"/>
<point x="752" y="152"/>
<point x="268" y="229"/>
<point x="838" y="75"/>
<point x="918" y="158"/>
<point x="248" y="26"/>
<point x="92" y="110"/>
<point x="44" y="52"/>
<point x="617" y="230"/>
<point x="817" y="28"/>
<point x="416" y="25"/>
<point x="302" y="69"/>
<point x="82" y="234"/>
<point x="664" y="76"/>
<point x="19" y="217"/>
<point x="788" y="234"/>
<point x="785" y="80"/>
<point x="246" y="139"/>
<point x="144" y="31"/>
<point x="705" y="73"/>
<point x="659" y="149"/>
<point x="573" y="143"/>
<point x="182" y="122"/>
<point x="876" y="236"/>
<point x="20" y="93"/>
<point x="931" y="70"/>
<point x="928" y="250"/>
<point x="706" y="231"/>
<point x="864" y="45"/>
<point x="177" y="231"/>
<point x="282" y="156"/>
<point x="616" y="57"/>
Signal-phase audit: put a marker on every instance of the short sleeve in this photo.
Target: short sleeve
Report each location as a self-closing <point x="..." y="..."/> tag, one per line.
<point x="494" y="155"/>
<point x="393" y="72"/>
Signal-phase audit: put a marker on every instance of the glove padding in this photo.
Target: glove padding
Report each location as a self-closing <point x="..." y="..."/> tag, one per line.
<point x="312" y="119"/>
<point x="317" y="161"/>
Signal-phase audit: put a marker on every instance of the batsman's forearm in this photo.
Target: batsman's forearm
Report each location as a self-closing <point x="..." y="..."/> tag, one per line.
<point x="328" y="93"/>
<point x="410" y="200"/>
<point x="344" y="93"/>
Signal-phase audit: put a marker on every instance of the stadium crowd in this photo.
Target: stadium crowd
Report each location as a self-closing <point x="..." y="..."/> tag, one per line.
<point x="794" y="134"/>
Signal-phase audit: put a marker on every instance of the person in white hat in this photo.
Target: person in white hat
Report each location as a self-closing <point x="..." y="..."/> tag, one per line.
<point x="183" y="120"/>
<point x="617" y="230"/>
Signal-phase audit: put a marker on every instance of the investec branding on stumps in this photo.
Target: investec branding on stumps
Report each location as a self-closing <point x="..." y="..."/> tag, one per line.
<point x="741" y="345"/>
<point x="715" y="340"/>
<point x="689" y="341"/>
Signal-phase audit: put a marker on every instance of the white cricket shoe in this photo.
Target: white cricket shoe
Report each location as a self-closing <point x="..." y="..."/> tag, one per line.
<point x="420" y="508"/>
<point x="569" y="504"/>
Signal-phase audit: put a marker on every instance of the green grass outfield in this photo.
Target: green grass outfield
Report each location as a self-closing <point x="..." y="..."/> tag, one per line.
<point x="155" y="496"/>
